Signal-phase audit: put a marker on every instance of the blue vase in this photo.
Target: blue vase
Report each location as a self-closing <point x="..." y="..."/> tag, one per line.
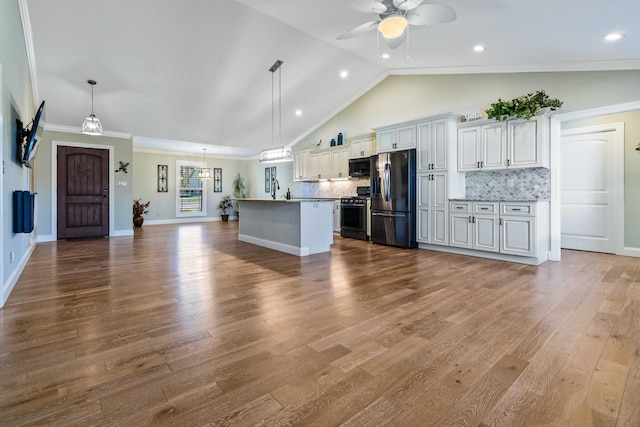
<point x="333" y="142"/>
<point x="340" y="138"/>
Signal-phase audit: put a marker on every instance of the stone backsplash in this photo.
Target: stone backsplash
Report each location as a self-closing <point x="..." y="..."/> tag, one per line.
<point x="527" y="184"/>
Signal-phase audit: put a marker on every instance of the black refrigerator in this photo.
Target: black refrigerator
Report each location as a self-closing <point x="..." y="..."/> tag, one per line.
<point x="393" y="198"/>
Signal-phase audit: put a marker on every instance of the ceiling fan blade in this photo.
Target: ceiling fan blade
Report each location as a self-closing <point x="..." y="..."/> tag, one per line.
<point x="360" y="29"/>
<point x="368" y="6"/>
<point x="407" y="4"/>
<point x="397" y="42"/>
<point x="431" y="14"/>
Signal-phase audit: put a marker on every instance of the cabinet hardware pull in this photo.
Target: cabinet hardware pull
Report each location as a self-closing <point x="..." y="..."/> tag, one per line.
<point x="482" y="164"/>
<point x="469" y="220"/>
<point x="458" y="207"/>
<point x="500" y="221"/>
<point x="474" y="219"/>
<point x="478" y="165"/>
<point x="516" y="209"/>
<point x="508" y="162"/>
<point x="484" y="209"/>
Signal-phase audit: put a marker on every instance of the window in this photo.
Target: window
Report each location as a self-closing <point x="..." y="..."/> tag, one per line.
<point x="191" y="195"/>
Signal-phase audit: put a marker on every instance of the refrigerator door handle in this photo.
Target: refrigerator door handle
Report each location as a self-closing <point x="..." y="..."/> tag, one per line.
<point x="387" y="182"/>
<point x="387" y="214"/>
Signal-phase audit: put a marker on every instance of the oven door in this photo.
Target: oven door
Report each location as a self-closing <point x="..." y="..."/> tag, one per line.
<point x="353" y="220"/>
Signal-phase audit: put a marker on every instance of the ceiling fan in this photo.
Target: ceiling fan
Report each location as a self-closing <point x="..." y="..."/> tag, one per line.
<point x="396" y="15"/>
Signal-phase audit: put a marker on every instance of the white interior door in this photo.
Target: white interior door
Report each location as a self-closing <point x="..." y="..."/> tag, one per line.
<point x="590" y="182"/>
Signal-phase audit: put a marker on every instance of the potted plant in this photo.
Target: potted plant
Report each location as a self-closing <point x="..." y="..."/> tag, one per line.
<point x="525" y="106"/>
<point x="239" y="188"/>
<point x="224" y="206"/>
<point x="139" y="209"/>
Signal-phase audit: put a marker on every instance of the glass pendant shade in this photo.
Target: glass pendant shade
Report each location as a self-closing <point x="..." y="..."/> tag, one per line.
<point x="393" y="26"/>
<point x="276" y="155"/>
<point x="204" y="172"/>
<point x="92" y="125"/>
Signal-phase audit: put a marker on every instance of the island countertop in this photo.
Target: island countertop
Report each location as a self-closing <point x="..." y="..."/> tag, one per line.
<point x="293" y="200"/>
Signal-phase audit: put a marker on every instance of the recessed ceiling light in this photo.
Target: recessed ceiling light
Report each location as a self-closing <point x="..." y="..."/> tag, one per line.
<point x="613" y="37"/>
<point x="298" y="112"/>
<point x="385" y="56"/>
<point x="478" y="48"/>
<point x="344" y="74"/>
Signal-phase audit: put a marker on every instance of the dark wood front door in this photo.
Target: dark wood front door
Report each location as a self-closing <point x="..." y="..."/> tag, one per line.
<point x="83" y="192"/>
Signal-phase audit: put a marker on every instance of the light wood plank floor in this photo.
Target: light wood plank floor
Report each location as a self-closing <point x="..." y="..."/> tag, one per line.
<point x="186" y="326"/>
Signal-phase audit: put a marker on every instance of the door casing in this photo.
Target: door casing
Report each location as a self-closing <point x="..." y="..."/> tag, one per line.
<point x="54" y="182"/>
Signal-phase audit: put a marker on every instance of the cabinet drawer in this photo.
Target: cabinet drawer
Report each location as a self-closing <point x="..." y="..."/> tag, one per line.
<point x="460" y="207"/>
<point x="486" y="208"/>
<point x="526" y="209"/>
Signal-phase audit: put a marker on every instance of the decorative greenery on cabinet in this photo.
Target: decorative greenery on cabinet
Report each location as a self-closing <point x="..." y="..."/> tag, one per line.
<point x="525" y="106"/>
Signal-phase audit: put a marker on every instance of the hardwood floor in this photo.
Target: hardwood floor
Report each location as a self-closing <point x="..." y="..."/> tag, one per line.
<point x="186" y="326"/>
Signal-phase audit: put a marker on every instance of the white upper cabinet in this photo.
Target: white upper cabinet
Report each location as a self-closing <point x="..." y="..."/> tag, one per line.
<point x="340" y="163"/>
<point x="396" y="138"/>
<point x="301" y="165"/>
<point x="362" y="147"/>
<point x="500" y="145"/>
<point x="432" y="146"/>
<point x="320" y="165"/>
<point x="528" y="142"/>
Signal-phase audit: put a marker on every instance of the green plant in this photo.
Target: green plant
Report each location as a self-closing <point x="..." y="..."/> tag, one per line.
<point x="239" y="187"/>
<point x="225" y="204"/>
<point x="140" y="208"/>
<point x="525" y="106"/>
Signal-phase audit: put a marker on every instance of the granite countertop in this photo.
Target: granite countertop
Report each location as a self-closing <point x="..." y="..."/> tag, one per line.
<point x="499" y="200"/>
<point x="294" y="200"/>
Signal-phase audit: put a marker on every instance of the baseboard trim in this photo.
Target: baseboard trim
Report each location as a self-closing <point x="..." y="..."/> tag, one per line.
<point x="292" y="250"/>
<point x="15" y="275"/>
<point x="120" y="233"/>
<point x="483" y="254"/>
<point x="629" y="251"/>
<point x="186" y="220"/>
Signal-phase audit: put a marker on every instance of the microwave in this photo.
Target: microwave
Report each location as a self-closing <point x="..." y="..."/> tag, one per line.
<point x="359" y="167"/>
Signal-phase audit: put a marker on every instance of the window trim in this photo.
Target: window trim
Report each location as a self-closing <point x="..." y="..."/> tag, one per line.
<point x="179" y="214"/>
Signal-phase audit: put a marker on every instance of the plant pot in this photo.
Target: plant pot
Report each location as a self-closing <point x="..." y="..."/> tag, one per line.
<point x="224" y="217"/>
<point x="137" y="221"/>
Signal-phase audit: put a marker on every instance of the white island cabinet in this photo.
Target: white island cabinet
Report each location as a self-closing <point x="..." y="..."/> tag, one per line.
<point x="298" y="226"/>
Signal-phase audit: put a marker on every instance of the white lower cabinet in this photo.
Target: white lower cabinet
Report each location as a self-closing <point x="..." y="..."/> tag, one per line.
<point x="475" y="226"/>
<point x="504" y="228"/>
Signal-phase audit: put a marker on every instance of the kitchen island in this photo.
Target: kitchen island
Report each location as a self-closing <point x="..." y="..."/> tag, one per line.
<point x="297" y="226"/>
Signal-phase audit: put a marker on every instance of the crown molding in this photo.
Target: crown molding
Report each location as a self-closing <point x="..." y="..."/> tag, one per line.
<point x="31" y="57"/>
<point x="161" y="151"/>
<point x="73" y="129"/>
<point x="619" y="65"/>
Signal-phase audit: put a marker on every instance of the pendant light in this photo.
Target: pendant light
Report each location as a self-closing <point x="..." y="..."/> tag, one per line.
<point x="91" y="124"/>
<point x="281" y="153"/>
<point x="203" y="172"/>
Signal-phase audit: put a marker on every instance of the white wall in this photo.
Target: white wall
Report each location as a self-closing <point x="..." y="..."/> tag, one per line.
<point x="16" y="103"/>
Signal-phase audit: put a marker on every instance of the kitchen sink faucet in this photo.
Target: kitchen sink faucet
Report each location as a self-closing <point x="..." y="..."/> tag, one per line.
<point x="275" y="185"/>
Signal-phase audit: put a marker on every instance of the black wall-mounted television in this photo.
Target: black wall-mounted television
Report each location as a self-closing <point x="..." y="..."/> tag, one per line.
<point x="26" y="139"/>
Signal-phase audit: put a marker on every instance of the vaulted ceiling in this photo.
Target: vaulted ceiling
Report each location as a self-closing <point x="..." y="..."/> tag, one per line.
<point x="182" y="75"/>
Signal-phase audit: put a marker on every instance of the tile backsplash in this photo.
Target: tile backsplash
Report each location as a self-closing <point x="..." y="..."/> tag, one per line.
<point x="527" y="184"/>
<point x="333" y="189"/>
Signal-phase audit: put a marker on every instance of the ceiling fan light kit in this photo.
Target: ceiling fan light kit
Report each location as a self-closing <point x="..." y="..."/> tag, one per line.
<point x="395" y="17"/>
<point x="393" y="26"/>
<point x="91" y="124"/>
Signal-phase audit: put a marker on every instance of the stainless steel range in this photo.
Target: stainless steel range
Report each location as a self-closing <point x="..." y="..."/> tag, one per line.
<point x="355" y="214"/>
